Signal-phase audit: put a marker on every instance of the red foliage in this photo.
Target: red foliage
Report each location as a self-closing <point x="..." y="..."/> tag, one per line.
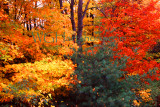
<point x="139" y="25"/>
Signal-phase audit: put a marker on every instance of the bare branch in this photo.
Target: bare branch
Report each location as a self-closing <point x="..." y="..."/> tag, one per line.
<point x="85" y="9"/>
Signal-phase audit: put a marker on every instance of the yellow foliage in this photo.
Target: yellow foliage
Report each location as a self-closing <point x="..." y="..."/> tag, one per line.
<point x="136" y="103"/>
<point x="46" y="76"/>
<point x="145" y="95"/>
<point x="9" y="52"/>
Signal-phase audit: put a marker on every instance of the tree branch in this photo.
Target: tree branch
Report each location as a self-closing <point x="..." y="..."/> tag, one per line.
<point x="101" y="11"/>
<point x="85" y="9"/>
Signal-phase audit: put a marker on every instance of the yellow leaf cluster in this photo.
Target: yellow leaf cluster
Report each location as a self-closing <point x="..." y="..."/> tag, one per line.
<point x="145" y="95"/>
<point x="48" y="75"/>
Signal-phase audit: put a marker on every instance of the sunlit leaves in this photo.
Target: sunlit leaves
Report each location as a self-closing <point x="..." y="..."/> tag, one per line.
<point x="45" y="75"/>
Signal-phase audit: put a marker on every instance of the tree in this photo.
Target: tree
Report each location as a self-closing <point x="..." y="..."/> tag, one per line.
<point x="134" y="23"/>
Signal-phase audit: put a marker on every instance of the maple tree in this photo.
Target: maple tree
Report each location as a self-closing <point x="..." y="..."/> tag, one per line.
<point x="141" y="31"/>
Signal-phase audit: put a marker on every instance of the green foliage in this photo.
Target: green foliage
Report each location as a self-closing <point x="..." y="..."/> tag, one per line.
<point x="102" y="82"/>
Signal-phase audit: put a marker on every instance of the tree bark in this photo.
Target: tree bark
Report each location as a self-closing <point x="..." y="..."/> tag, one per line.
<point x="27" y="25"/>
<point x="92" y="16"/>
<point x="35" y="18"/>
<point x="61" y="5"/>
<point x="158" y="101"/>
<point x="72" y="19"/>
<point x="80" y="21"/>
<point x="15" y="16"/>
<point x="6" y="8"/>
<point x="30" y="23"/>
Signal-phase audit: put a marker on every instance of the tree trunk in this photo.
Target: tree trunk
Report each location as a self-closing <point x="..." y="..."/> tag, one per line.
<point x="6" y="8"/>
<point x="30" y="23"/>
<point x="158" y="101"/>
<point x="72" y="19"/>
<point x="80" y="21"/>
<point x="92" y="16"/>
<point x="27" y="25"/>
<point x="61" y="5"/>
<point x="35" y="18"/>
<point x="80" y="24"/>
<point x="15" y="16"/>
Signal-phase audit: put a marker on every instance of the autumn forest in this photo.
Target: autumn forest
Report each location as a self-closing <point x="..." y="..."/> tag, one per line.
<point x="79" y="53"/>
